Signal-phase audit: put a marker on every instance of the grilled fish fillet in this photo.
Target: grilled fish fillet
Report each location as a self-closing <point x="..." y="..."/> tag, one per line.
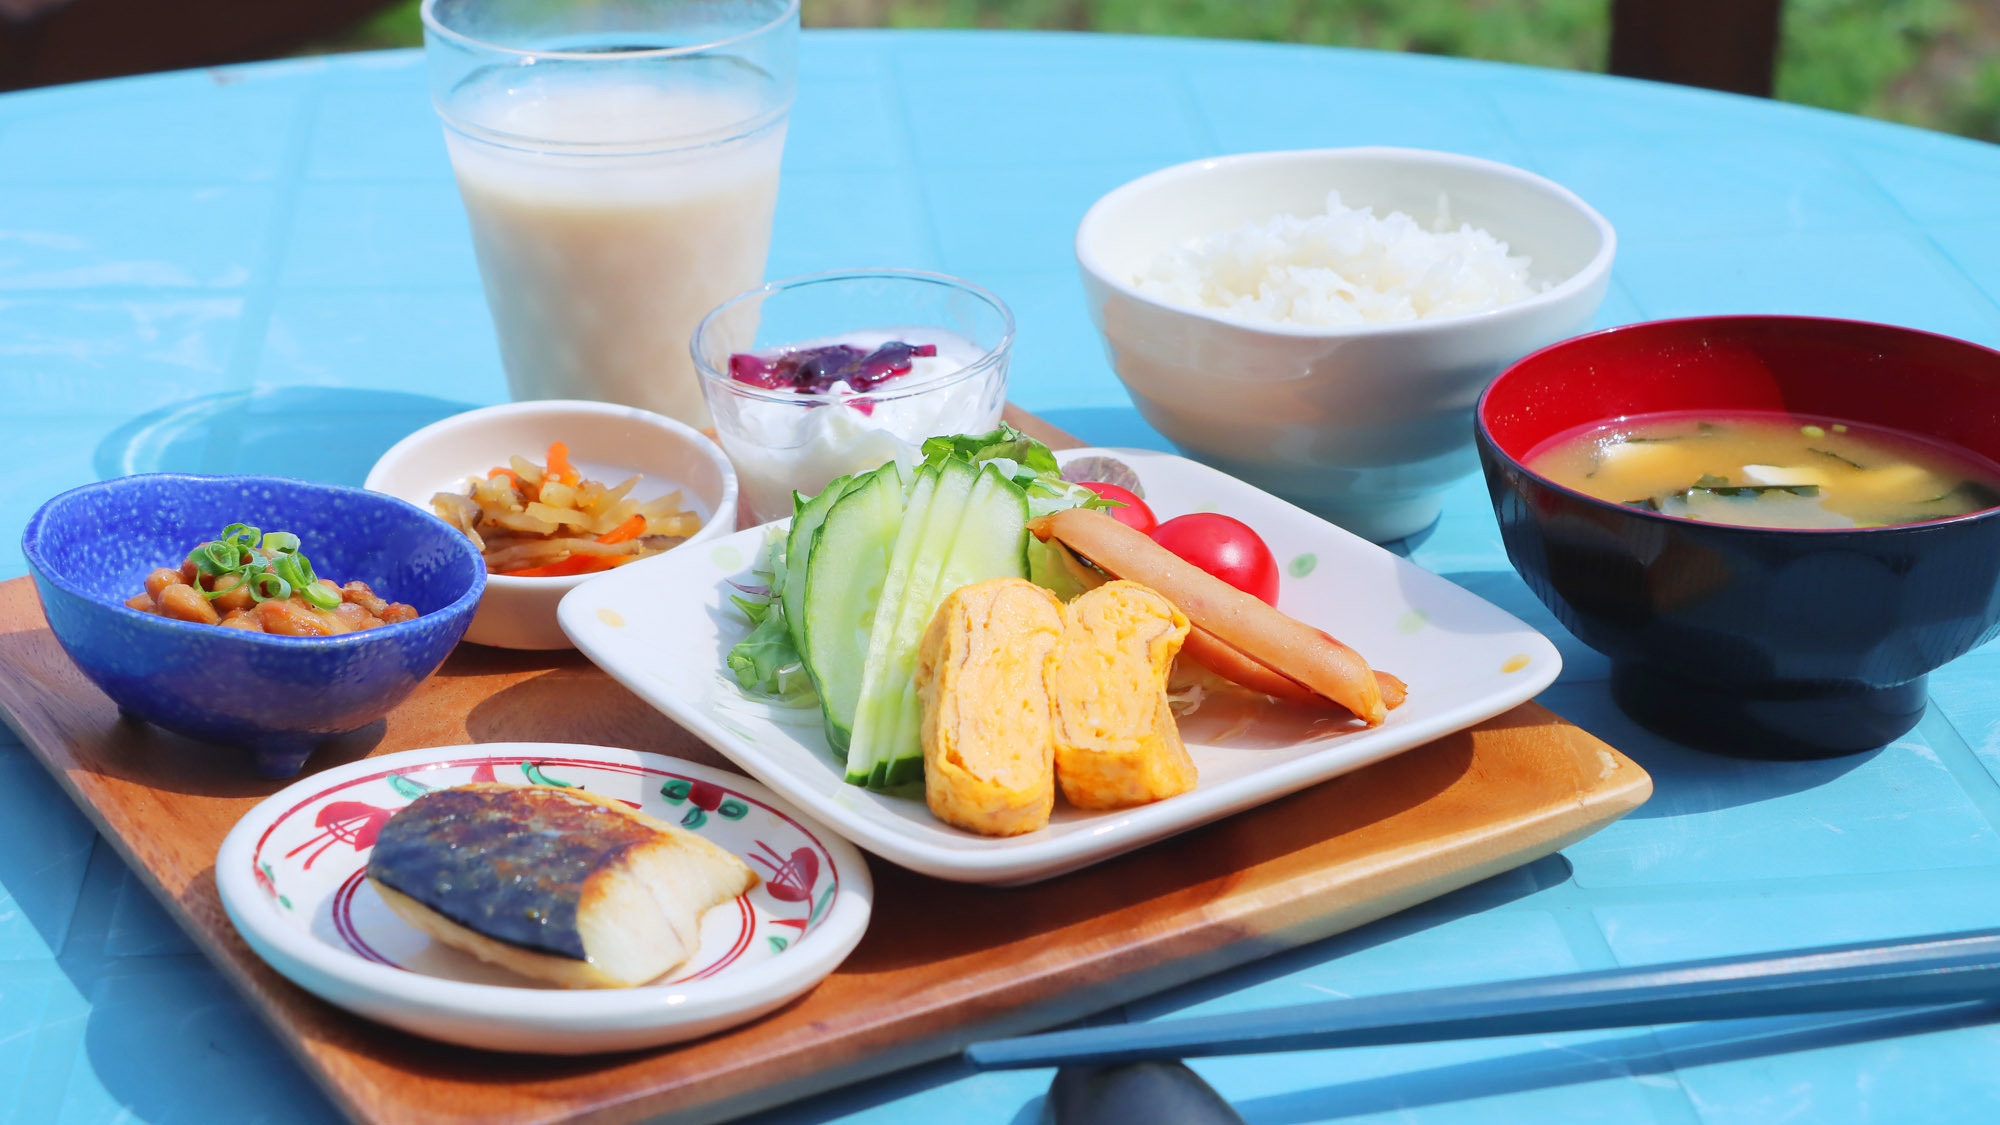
<point x="556" y="884"/>
<point x="983" y="674"/>
<point x="1116" y="741"/>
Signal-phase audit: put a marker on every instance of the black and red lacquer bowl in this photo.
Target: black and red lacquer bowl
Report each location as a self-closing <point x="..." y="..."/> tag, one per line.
<point x="1758" y="642"/>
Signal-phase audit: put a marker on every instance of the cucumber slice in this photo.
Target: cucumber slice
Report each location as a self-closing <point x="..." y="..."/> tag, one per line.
<point x="844" y="578"/>
<point x="937" y="507"/>
<point x="991" y="542"/>
<point x="811" y="514"/>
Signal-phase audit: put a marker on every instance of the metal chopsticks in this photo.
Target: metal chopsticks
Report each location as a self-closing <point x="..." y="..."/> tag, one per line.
<point x="1939" y="969"/>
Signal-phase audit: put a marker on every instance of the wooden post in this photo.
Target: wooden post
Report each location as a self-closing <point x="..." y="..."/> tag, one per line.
<point x="43" y="42"/>
<point x="1720" y="44"/>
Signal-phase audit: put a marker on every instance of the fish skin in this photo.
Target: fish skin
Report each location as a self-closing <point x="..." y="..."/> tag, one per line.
<point x="508" y="865"/>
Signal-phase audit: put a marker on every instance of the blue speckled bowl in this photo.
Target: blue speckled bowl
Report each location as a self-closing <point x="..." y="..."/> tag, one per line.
<point x="280" y="697"/>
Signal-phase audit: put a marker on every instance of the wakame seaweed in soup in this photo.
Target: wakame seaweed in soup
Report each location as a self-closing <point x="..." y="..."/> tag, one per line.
<point x="1769" y="470"/>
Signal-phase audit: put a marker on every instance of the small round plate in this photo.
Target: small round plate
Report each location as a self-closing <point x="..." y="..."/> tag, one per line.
<point x="291" y="878"/>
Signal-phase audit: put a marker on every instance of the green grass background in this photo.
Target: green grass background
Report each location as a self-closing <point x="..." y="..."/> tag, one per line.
<point x="1934" y="63"/>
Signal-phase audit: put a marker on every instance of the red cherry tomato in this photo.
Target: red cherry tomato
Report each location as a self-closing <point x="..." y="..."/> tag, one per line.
<point x="1224" y="547"/>
<point x="1133" y="512"/>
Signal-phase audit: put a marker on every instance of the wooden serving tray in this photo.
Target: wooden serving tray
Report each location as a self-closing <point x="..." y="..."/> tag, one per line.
<point x="942" y="965"/>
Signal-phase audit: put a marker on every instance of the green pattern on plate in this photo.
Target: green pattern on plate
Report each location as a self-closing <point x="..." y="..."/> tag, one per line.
<point x="825" y="901"/>
<point x="1303" y="565"/>
<point x="1412" y="621"/>
<point x="533" y="771"/>
<point x="407" y="789"/>
<point x="271" y="884"/>
<point x="727" y="557"/>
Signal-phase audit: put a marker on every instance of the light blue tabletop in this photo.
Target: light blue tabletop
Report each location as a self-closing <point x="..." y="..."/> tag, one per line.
<point x="267" y="269"/>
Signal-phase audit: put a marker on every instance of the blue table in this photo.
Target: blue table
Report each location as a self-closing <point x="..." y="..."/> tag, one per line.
<point x="267" y="268"/>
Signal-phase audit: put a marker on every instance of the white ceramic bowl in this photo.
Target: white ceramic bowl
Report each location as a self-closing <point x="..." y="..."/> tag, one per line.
<point x="1365" y="425"/>
<point x="291" y="879"/>
<point x="607" y="442"/>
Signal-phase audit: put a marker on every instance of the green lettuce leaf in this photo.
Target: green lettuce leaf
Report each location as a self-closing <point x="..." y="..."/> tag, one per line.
<point x="1003" y="444"/>
<point x="1022" y="459"/>
<point x="760" y="658"/>
<point x="766" y="663"/>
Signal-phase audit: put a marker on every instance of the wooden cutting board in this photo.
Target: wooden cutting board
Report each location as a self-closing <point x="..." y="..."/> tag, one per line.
<point x="942" y="965"/>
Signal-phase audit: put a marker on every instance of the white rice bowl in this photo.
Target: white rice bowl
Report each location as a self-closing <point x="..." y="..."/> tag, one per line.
<point x="1344" y="267"/>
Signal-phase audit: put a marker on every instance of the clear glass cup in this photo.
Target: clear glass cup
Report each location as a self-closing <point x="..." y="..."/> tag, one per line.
<point x="619" y="162"/>
<point x="783" y="441"/>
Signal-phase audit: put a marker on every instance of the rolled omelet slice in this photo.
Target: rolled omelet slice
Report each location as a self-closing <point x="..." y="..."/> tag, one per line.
<point x="983" y="672"/>
<point x="1116" y="742"/>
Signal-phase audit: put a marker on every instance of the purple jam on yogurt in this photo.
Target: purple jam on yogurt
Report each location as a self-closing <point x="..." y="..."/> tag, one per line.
<point x="815" y="370"/>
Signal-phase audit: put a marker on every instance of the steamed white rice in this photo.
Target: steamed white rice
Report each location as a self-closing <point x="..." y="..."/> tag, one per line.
<point x="1344" y="267"/>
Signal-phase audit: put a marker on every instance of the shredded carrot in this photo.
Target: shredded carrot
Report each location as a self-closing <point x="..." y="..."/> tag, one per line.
<point x="575" y="564"/>
<point x="630" y="529"/>
<point x="559" y="466"/>
<point x="504" y="471"/>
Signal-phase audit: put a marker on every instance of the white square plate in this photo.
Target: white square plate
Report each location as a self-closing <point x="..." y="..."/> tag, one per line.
<point x="662" y="628"/>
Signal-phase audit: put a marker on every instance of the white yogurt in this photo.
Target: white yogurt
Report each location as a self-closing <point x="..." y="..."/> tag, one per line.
<point x="783" y="442"/>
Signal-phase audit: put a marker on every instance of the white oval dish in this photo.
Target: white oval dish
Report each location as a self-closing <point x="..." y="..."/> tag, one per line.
<point x="1364" y="424"/>
<point x="291" y="879"/>
<point x="663" y="628"/>
<point x="607" y="442"/>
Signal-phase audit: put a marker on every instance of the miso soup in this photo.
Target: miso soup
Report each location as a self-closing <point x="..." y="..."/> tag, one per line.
<point x="1769" y="470"/>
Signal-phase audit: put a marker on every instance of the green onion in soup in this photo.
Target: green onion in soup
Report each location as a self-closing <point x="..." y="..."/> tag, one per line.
<point x="1769" y="470"/>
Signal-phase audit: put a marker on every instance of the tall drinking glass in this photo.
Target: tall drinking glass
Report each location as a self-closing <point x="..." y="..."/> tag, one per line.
<point x="619" y="162"/>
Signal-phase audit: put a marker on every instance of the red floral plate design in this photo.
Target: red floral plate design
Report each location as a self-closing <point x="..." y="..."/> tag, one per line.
<point x="291" y="875"/>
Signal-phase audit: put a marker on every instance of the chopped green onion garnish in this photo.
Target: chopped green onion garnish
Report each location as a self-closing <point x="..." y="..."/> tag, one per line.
<point x="218" y="558"/>
<point x="319" y="595"/>
<point x="270" y="566"/>
<point x="295" y="569"/>
<point x="298" y="571"/>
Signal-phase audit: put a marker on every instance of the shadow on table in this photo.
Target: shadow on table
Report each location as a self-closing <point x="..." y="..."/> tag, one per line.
<point x="1686" y="780"/>
<point x="1487" y="894"/>
<point x="174" y="1042"/>
<point x="1625" y="1054"/>
<point x="313" y="433"/>
<point x="1526" y="880"/>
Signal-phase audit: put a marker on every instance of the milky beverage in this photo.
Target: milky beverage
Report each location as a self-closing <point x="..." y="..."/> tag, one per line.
<point x="599" y="256"/>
